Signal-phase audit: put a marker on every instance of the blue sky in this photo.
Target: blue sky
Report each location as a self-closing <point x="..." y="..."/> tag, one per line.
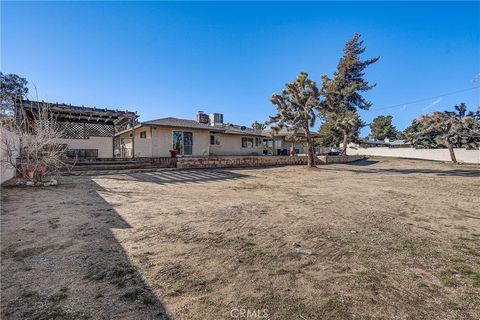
<point x="172" y="59"/>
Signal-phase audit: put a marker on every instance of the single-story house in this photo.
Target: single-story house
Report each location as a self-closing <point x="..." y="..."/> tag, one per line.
<point x="208" y="135"/>
<point x="281" y="141"/>
<point x="369" y="143"/>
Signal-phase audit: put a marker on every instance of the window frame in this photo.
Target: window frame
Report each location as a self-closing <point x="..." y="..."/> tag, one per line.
<point x="248" y="140"/>
<point x="181" y="150"/>
<point x="216" y="139"/>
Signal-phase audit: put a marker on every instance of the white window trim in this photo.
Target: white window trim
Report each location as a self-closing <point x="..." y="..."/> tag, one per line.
<point x="247" y="147"/>
<point x="171" y="140"/>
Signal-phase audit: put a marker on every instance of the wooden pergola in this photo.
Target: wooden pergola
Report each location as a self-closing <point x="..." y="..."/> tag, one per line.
<point x="79" y="122"/>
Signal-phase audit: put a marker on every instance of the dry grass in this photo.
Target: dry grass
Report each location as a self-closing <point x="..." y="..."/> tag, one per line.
<point x="389" y="239"/>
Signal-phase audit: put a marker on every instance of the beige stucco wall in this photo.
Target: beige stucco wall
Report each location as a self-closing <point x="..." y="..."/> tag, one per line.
<point x="103" y="144"/>
<point x="158" y="143"/>
<point x="162" y="141"/>
<point x="9" y="141"/>
<point x="296" y="144"/>
<point x="462" y="155"/>
<point x="143" y="146"/>
<point x="281" y="143"/>
<point x="232" y="145"/>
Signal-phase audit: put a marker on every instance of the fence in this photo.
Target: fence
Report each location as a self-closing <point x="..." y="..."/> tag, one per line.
<point x="462" y="155"/>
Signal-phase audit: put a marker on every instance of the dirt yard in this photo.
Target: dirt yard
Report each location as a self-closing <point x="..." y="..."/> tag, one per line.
<point x="389" y="239"/>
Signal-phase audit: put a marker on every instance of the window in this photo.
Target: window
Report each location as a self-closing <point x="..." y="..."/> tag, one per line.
<point x="247" y="142"/>
<point x="187" y="143"/>
<point x="258" y="141"/>
<point x="182" y="142"/>
<point x="143" y="135"/>
<point x="214" y="139"/>
<point x="278" y="143"/>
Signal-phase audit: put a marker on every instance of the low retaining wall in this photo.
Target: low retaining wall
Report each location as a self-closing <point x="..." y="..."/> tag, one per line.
<point x="256" y="161"/>
<point x="462" y="155"/>
<point x="112" y="164"/>
<point x="238" y="161"/>
<point x="122" y="163"/>
<point x="339" y="159"/>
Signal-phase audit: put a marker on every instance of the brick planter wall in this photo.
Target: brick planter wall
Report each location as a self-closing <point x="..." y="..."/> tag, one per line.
<point x="238" y="161"/>
<point x="339" y="159"/>
<point x="203" y="162"/>
<point x="256" y="161"/>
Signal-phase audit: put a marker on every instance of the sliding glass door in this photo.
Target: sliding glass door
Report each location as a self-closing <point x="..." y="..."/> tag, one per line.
<point x="182" y="142"/>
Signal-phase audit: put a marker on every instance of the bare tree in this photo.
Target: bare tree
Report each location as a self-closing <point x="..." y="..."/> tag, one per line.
<point x="33" y="149"/>
<point x="258" y="126"/>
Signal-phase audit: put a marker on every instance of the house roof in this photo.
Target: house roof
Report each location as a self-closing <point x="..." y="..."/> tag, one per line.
<point x="399" y="142"/>
<point x="240" y="130"/>
<point x="285" y="132"/>
<point x="172" y="122"/>
<point x="181" y="123"/>
<point x="373" y="142"/>
<point x="385" y="142"/>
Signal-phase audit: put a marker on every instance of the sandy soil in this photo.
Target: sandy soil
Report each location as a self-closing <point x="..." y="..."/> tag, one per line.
<point x="390" y="239"/>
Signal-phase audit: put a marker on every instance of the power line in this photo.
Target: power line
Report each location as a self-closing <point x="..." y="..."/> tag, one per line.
<point x="426" y="99"/>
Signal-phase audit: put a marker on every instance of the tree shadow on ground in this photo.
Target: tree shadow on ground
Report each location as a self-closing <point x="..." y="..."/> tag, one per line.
<point x="460" y="172"/>
<point x="190" y="176"/>
<point x="363" y="163"/>
<point x="61" y="259"/>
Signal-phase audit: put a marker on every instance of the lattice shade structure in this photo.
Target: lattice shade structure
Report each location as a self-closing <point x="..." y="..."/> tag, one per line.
<point x="77" y="130"/>
<point x="68" y="113"/>
<point x="76" y="122"/>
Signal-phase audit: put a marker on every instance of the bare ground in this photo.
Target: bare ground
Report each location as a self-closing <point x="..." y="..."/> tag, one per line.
<point x="390" y="239"/>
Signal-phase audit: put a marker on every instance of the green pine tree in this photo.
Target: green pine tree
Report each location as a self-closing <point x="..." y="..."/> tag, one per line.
<point x="343" y="92"/>
<point x="382" y="127"/>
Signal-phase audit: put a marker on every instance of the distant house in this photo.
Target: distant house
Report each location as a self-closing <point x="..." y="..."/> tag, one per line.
<point x="280" y="142"/>
<point x="370" y="143"/>
<point x="208" y="135"/>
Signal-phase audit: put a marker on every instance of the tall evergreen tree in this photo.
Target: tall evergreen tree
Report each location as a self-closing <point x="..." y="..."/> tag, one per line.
<point x="382" y="127"/>
<point x="296" y="109"/>
<point x="12" y="88"/>
<point x="343" y="92"/>
<point x="330" y="136"/>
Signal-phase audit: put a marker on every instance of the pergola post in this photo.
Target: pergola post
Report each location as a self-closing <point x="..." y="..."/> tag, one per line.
<point x="113" y="142"/>
<point x="274" y="150"/>
<point x="133" y="136"/>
